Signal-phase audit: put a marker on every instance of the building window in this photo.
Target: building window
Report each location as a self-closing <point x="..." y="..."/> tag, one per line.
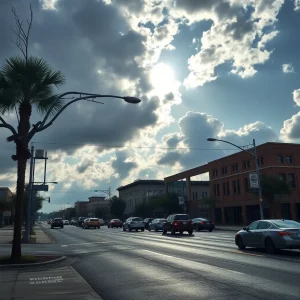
<point x="279" y="159"/>
<point x="234" y="186"/>
<point x="289" y="159"/>
<point x="292" y="182"/>
<point x="215" y="173"/>
<point x="246" y="184"/>
<point x="215" y="189"/>
<point x="224" y="188"/>
<point x="246" y="164"/>
<point x="235" y="167"/>
<point x="238" y="187"/>
<point x="196" y="195"/>
<point x="204" y="195"/>
<point x="282" y="176"/>
<point x="261" y="160"/>
<point x="227" y="186"/>
<point x="224" y="170"/>
<point x="218" y="190"/>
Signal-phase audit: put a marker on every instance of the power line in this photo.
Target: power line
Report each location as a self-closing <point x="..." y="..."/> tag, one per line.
<point x="136" y="147"/>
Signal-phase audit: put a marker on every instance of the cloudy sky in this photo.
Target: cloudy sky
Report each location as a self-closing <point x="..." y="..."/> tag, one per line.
<point x="223" y="68"/>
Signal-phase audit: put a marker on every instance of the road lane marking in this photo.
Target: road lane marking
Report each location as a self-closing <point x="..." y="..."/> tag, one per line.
<point x="91" y="243"/>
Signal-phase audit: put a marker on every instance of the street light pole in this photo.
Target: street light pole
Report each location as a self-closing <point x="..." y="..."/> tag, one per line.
<point x="254" y="155"/>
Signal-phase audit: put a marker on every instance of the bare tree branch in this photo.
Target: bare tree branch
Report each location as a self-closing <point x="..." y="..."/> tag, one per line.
<point x="22" y="41"/>
<point x="8" y="126"/>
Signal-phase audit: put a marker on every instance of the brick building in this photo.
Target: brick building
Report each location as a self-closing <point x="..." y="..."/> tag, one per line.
<point x="229" y="183"/>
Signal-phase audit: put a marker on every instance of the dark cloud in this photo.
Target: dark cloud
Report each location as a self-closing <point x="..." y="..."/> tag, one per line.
<point x="84" y="166"/>
<point x="121" y="166"/>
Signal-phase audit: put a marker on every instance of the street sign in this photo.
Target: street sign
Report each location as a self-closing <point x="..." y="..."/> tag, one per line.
<point x="40" y="187"/>
<point x="7" y="213"/>
<point x="181" y="200"/>
<point x="253" y="180"/>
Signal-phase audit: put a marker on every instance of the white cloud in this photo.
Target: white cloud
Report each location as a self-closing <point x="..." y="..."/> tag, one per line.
<point x="290" y="132"/>
<point x="297" y="5"/>
<point x="296" y="97"/>
<point x="288" y="68"/>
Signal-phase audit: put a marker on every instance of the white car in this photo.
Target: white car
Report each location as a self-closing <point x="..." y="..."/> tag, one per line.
<point x="66" y="222"/>
<point x="134" y="223"/>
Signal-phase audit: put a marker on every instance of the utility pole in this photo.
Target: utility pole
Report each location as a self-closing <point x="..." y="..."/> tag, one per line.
<point x="29" y="191"/>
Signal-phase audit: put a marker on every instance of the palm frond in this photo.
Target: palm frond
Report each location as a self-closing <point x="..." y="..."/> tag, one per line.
<point x="53" y="103"/>
<point x="33" y="81"/>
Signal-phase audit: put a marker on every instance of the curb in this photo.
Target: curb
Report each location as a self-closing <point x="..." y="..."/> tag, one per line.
<point x="41" y="264"/>
<point x="48" y="235"/>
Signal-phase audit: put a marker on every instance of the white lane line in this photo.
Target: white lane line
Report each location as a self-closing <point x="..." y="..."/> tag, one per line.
<point x="84" y="244"/>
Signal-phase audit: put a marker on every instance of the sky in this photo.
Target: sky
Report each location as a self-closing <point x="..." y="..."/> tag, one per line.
<point x="227" y="69"/>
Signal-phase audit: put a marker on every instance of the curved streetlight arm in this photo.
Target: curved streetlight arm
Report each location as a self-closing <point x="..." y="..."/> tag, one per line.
<point x="40" y="126"/>
<point x="212" y="140"/>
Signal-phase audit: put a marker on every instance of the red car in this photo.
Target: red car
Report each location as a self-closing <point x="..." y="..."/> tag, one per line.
<point x="115" y="223"/>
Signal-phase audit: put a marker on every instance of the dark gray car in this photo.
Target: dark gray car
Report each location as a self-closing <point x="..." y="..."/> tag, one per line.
<point x="270" y="235"/>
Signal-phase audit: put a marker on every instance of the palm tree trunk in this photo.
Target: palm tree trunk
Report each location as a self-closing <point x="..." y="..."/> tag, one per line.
<point x="22" y="155"/>
<point x="16" y="247"/>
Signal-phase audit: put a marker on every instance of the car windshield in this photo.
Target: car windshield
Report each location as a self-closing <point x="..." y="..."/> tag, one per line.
<point x="286" y="224"/>
<point x="182" y="217"/>
<point x="162" y="220"/>
<point x="93" y="220"/>
<point x="57" y="219"/>
<point x="137" y="219"/>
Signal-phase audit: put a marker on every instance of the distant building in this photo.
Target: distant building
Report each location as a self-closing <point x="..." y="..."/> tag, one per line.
<point x="140" y="191"/>
<point x="5" y="194"/>
<point x="229" y="183"/>
<point x="81" y="208"/>
<point x="98" y="203"/>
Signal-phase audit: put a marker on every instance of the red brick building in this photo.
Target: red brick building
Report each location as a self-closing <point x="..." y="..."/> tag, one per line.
<point x="229" y="183"/>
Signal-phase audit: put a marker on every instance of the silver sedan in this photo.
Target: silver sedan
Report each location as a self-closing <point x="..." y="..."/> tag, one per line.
<point x="271" y="235"/>
<point x="157" y="224"/>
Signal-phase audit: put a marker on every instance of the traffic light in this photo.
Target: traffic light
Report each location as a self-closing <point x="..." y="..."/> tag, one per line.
<point x="49" y="200"/>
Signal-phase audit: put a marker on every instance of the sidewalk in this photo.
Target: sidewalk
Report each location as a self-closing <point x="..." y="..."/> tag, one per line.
<point x="229" y="228"/>
<point x="6" y="235"/>
<point x="47" y="284"/>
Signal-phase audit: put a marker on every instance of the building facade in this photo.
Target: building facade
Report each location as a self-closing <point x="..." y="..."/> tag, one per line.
<point x="96" y="205"/>
<point x="140" y="191"/>
<point x="229" y="183"/>
<point x="81" y="208"/>
<point x="5" y="194"/>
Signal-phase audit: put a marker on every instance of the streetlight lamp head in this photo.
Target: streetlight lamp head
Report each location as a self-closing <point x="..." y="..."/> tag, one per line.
<point x="211" y="140"/>
<point x="132" y="100"/>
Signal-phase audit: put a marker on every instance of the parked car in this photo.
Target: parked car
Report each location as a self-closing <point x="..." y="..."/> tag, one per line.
<point x="102" y="223"/>
<point x="202" y="223"/>
<point x="66" y="222"/>
<point x="80" y="221"/>
<point x="134" y="223"/>
<point x="157" y="224"/>
<point x="115" y="223"/>
<point x="271" y="235"/>
<point x="57" y="222"/>
<point x="91" y="222"/>
<point x="178" y="223"/>
<point x="147" y="221"/>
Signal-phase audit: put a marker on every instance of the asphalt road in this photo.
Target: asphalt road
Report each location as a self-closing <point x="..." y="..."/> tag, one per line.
<point x="138" y="265"/>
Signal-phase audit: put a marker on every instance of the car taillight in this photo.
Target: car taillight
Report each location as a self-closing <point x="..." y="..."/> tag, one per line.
<point x="202" y="223"/>
<point x="175" y="224"/>
<point x="284" y="233"/>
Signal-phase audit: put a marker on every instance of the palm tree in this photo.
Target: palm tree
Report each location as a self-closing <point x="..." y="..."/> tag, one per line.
<point x="26" y="83"/>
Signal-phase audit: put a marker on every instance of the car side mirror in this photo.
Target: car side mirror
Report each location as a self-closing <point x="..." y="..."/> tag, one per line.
<point x="246" y="228"/>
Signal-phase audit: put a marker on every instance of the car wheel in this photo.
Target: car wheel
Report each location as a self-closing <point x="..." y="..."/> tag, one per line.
<point x="156" y="229"/>
<point x="173" y="231"/>
<point x="190" y="232"/>
<point x="149" y="228"/>
<point x="181" y="232"/>
<point x="124" y="228"/>
<point x="198" y="228"/>
<point x="269" y="246"/>
<point x="143" y="229"/>
<point x="240" y="243"/>
<point x="129" y="228"/>
<point x="98" y="227"/>
<point x="164" y="231"/>
<point x="51" y="227"/>
<point x="136" y="229"/>
<point x="210" y="230"/>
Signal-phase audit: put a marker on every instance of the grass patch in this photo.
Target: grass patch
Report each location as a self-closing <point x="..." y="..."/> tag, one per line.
<point x="25" y="259"/>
